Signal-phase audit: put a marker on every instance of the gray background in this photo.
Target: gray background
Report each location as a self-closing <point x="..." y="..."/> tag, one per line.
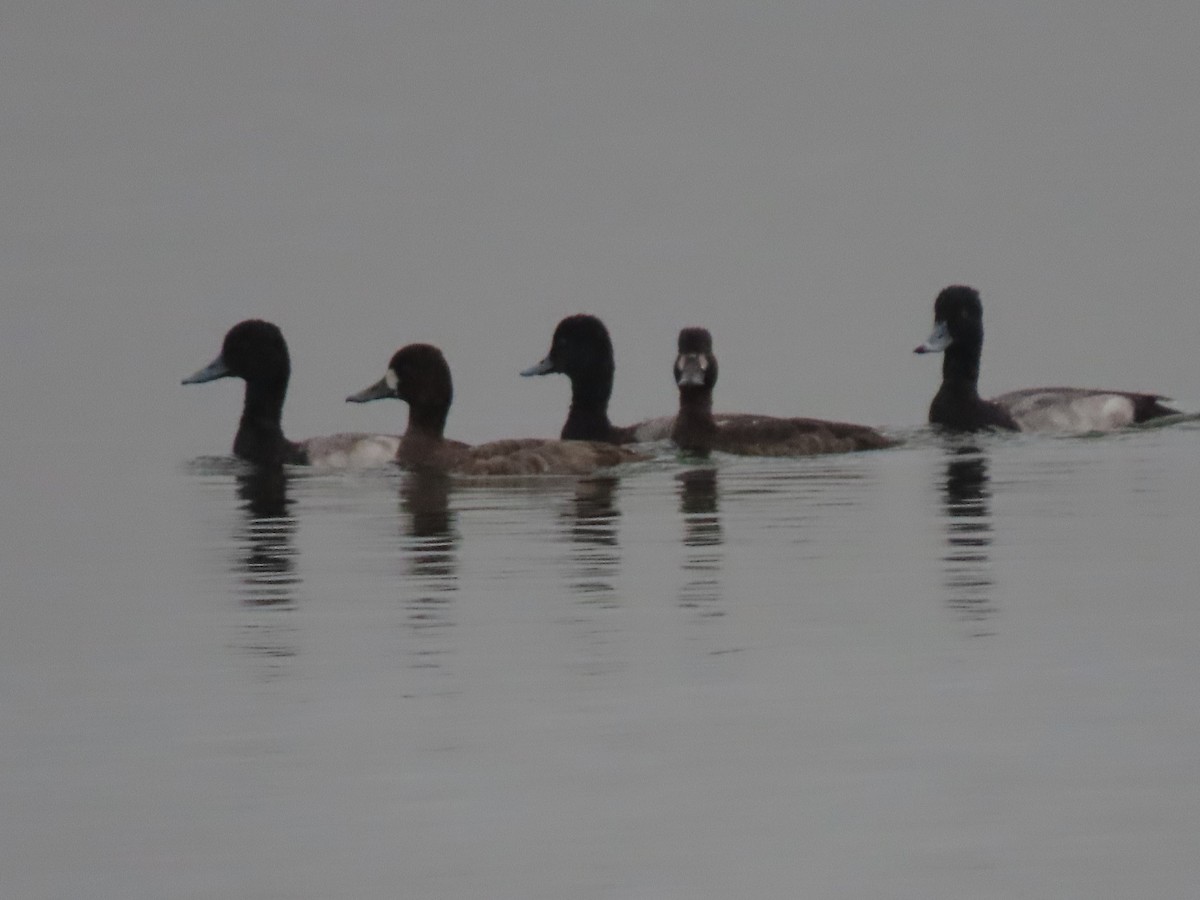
<point x="800" y="178"/>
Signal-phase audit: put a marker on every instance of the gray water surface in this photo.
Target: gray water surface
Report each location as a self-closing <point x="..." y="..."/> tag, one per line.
<point x="958" y="668"/>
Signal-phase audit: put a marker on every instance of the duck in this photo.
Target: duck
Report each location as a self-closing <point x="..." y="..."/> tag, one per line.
<point x="255" y="351"/>
<point x="582" y="350"/>
<point x="419" y="375"/>
<point x="957" y="406"/>
<point x="696" y="430"/>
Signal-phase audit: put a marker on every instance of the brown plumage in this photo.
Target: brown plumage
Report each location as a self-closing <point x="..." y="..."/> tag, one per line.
<point x="419" y="375"/>
<point x="697" y="431"/>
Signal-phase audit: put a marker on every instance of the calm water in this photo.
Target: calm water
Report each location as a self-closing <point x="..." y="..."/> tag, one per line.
<point x="956" y="669"/>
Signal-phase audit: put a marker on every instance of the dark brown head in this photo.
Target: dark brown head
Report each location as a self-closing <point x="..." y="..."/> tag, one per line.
<point x="957" y="320"/>
<point x="695" y="366"/>
<point x="419" y="375"/>
<point x="580" y="348"/>
<point x="253" y="350"/>
<point x="256" y="352"/>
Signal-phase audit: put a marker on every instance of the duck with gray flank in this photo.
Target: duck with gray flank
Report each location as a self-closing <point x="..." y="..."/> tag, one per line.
<point x="957" y="406"/>
<point x="697" y="431"/>
<point x="419" y="375"/>
<point x="582" y="350"/>
<point x="256" y="352"/>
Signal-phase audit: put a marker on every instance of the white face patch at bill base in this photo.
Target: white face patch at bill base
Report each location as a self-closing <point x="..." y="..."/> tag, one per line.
<point x="392" y="380"/>
<point x="690" y="369"/>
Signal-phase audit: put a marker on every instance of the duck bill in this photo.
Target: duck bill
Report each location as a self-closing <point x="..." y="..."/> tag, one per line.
<point x="938" y="341"/>
<point x="378" y="391"/>
<point x="214" y="370"/>
<point x="545" y="367"/>
<point x="690" y="370"/>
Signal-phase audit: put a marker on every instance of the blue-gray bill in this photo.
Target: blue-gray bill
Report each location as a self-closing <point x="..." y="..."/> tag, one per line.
<point x="545" y="367"/>
<point x="378" y="391"/>
<point x="938" y="341"/>
<point x="214" y="370"/>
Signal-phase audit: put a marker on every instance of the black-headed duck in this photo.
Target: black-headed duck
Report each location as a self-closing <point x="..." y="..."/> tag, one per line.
<point x="582" y="350"/>
<point x="697" y="431"/>
<point x="256" y="352"/>
<point x="957" y="406"/>
<point x="419" y="375"/>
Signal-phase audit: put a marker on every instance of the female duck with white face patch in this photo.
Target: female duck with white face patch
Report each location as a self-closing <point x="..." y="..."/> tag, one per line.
<point x="256" y="352"/>
<point x="419" y="375"/>
<point x="697" y="431"/>
<point x="957" y="406"/>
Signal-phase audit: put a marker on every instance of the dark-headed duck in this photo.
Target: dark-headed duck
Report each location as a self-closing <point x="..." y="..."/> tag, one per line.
<point x="256" y="352"/>
<point x="419" y="375"/>
<point x="697" y="431"/>
<point x="958" y="332"/>
<point x="582" y="350"/>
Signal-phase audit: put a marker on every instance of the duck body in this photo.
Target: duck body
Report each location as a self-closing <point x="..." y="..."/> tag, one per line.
<point x="256" y="352"/>
<point x="957" y="406"/>
<point x="958" y="409"/>
<point x="750" y="435"/>
<point x="697" y="430"/>
<point x="419" y="375"/>
<point x="535" y="456"/>
<point x="349" y="450"/>
<point x="1081" y="410"/>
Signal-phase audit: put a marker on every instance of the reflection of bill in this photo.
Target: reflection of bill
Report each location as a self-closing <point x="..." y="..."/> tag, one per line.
<point x="967" y="503"/>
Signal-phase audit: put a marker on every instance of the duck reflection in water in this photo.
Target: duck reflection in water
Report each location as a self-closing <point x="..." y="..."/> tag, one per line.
<point x="966" y="501"/>
<point x="431" y="535"/>
<point x="265" y="568"/>
<point x="430" y="544"/>
<point x="595" y="557"/>
<point x="699" y="505"/>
